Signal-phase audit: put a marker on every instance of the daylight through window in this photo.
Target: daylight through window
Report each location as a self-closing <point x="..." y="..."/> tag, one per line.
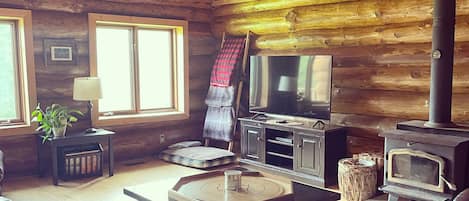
<point x="17" y="84"/>
<point x="142" y="65"/>
<point x="9" y="94"/>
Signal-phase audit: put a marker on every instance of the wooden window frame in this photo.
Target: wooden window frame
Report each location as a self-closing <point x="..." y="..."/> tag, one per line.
<point x="25" y="72"/>
<point x="180" y="79"/>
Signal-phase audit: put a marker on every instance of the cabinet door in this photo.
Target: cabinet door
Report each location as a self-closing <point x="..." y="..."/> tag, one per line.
<point x="253" y="143"/>
<point x="307" y="154"/>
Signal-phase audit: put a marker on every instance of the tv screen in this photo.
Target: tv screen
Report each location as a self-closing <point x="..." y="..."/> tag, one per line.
<point x="291" y="85"/>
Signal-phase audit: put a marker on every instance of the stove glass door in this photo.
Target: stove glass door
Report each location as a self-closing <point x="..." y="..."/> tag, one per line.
<point x="416" y="168"/>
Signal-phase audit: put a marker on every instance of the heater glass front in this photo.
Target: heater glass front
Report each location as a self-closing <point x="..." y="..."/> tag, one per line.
<point x="416" y="168"/>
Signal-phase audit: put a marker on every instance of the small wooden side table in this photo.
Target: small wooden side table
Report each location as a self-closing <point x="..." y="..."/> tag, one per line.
<point x="72" y="139"/>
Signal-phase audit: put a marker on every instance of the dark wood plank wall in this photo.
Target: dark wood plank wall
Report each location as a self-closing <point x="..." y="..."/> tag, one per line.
<point x="68" y="19"/>
<point x="381" y="68"/>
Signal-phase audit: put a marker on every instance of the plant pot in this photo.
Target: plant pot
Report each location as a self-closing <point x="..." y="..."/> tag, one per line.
<point x="59" y="132"/>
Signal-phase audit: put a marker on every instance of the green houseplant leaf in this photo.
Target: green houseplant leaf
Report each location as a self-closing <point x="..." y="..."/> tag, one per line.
<point x="54" y="116"/>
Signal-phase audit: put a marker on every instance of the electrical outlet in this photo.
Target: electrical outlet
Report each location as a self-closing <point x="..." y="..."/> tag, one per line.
<point x="162" y="138"/>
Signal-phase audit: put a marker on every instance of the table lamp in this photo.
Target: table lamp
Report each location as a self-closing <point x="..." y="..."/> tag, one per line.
<point x="287" y="84"/>
<point x="87" y="89"/>
<point x="287" y="97"/>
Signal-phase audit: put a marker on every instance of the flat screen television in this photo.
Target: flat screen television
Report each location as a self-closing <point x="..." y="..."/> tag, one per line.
<point x="291" y="85"/>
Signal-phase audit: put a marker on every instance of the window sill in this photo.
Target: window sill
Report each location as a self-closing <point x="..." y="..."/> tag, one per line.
<point x="139" y="118"/>
<point x="6" y="130"/>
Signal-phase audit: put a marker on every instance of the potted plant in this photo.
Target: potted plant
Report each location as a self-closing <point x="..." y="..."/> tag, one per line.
<point x="54" y="120"/>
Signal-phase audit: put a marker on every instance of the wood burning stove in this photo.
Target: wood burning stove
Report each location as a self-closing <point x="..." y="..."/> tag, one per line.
<point x="425" y="163"/>
<point x="430" y="160"/>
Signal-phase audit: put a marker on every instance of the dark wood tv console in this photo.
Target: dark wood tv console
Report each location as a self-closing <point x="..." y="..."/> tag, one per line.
<point x="294" y="149"/>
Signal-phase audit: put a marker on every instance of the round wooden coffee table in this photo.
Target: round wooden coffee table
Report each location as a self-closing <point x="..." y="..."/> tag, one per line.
<point x="210" y="187"/>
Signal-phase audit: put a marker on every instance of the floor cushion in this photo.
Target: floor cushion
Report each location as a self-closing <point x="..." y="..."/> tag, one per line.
<point x="198" y="157"/>
<point x="185" y="144"/>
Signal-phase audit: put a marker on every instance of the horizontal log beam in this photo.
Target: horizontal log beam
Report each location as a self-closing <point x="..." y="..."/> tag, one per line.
<point x="59" y="72"/>
<point x="21" y="154"/>
<point x="363" y="130"/>
<point x="330" y="16"/>
<point x="397" y="104"/>
<point x="263" y="5"/>
<point x="407" y="54"/>
<point x="196" y="117"/>
<point x="197" y="101"/>
<point x="179" y="3"/>
<point x="200" y="29"/>
<point x="202" y="45"/>
<point x="92" y="6"/>
<point x="201" y="84"/>
<point x="396" y="78"/>
<point x="367" y="126"/>
<point x="200" y="67"/>
<point x="67" y="101"/>
<point x="133" y="144"/>
<point x="54" y="24"/>
<point x="418" y="32"/>
<point x="217" y="3"/>
<point x="356" y="145"/>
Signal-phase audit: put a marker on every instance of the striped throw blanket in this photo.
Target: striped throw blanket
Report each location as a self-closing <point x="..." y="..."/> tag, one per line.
<point x="219" y="119"/>
<point x="230" y="54"/>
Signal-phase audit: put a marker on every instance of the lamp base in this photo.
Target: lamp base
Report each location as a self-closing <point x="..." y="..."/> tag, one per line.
<point x="91" y="130"/>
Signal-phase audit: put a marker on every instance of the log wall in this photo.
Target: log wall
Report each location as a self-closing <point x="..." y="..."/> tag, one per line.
<point x="380" y="50"/>
<point x="68" y="19"/>
<point x="381" y="68"/>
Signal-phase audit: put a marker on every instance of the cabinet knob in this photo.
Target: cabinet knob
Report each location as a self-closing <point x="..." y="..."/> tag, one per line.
<point x="258" y="138"/>
<point x="299" y="145"/>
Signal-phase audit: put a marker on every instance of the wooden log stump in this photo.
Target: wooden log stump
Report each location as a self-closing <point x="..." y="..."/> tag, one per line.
<point x="378" y="158"/>
<point x="357" y="179"/>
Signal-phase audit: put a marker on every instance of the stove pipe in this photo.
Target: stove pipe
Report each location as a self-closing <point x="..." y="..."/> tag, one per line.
<point x="441" y="86"/>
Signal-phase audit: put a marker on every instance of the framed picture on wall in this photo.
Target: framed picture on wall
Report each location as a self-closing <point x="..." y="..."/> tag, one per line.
<point x="60" y="51"/>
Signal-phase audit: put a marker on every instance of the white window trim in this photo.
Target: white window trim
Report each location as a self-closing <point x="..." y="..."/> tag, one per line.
<point x="26" y="70"/>
<point x="182" y="78"/>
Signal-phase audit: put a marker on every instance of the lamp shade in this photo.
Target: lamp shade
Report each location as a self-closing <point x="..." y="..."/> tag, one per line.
<point x="287" y="83"/>
<point x="87" y="88"/>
